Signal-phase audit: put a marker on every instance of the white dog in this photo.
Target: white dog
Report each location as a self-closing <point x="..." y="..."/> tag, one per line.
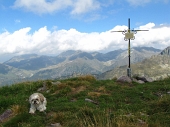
<point x="37" y="101"/>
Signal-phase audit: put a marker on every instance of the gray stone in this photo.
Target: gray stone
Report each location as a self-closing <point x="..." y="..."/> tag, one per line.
<point x="140" y="81"/>
<point x="55" y="125"/>
<point x="56" y="83"/>
<point x="145" y="79"/>
<point x="124" y="79"/>
<point x="149" y="79"/>
<point x="44" y="88"/>
<point x="89" y="100"/>
<point x="5" y="115"/>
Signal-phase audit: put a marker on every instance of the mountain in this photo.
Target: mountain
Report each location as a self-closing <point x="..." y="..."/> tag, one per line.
<point x="72" y="54"/>
<point x="117" y="57"/>
<point x="33" y="61"/>
<point x="137" y="54"/>
<point x="166" y="51"/>
<point x="73" y="63"/>
<point x="9" y="75"/>
<point x="81" y="63"/>
<point x="4" y="69"/>
<point x="143" y="49"/>
<point x="76" y="67"/>
<point x="157" y="67"/>
<point x="108" y="56"/>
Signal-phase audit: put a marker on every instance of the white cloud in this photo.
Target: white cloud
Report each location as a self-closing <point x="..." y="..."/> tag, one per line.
<point x="11" y="43"/>
<point x="46" y="42"/>
<point x="44" y="6"/>
<point x="156" y="36"/>
<point x="83" y="6"/>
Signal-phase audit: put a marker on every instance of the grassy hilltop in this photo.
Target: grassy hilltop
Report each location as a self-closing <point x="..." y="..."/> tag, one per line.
<point x="115" y="104"/>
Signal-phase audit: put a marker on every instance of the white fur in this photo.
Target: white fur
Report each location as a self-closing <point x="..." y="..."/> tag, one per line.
<point x="38" y="102"/>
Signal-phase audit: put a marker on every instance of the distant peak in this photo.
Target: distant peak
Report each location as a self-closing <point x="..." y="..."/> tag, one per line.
<point x="147" y="49"/>
<point x="166" y="51"/>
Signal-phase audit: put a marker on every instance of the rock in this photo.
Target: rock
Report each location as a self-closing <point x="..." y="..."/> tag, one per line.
<point x="56" y="125"/>
<point x="56" y="83"/>
<point x="149" y="79"/>
<point x="145" y="79"/>
<point x="89" y="100"/>
<point x="44" y="88"/>
<point x="5" y="115"/>
<point x="168" y="92"/>
<point x="159" y="94"/>
<point x="140" y="81"/>
<point x="142" y="123"/>
<point x="124" y="79"/>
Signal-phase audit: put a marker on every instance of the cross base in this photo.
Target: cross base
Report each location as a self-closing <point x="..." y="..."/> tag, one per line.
<point x="129" y="71"/>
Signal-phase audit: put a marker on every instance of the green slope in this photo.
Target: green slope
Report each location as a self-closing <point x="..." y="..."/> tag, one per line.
<point x="117" y="105"/>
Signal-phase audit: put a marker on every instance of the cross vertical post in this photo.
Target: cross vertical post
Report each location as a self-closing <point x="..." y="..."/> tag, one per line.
<point x="129" y="69"/>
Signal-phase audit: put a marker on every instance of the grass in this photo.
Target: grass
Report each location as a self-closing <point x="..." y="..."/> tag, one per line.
<point x="118" y="105"/>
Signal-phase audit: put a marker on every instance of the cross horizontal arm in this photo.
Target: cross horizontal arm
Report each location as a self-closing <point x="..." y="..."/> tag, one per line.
<point x="118" y="31"/>
<point x="139" y="30"/>
<point x="129" y="30"/>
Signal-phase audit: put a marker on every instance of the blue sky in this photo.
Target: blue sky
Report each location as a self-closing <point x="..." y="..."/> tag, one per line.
<point x="52" y="26"/>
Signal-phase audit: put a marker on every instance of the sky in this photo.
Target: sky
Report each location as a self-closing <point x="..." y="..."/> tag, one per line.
<point x="49" y="27"/>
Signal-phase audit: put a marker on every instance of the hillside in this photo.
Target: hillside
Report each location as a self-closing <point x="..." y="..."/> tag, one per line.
<point x="157" y="67"/>
<point x="9" y="75"/>
<point x="87" y="102"/>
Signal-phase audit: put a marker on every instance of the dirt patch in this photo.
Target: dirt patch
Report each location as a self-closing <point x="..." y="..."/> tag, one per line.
<point x="94" y="94"/>
<point x="78" y="89"/>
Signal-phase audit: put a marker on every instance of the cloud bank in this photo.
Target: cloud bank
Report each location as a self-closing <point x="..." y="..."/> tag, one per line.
<point x="44" y="41"/>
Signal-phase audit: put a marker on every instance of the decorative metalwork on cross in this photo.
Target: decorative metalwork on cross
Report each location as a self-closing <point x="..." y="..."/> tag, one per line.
<point x="129" y="35"/>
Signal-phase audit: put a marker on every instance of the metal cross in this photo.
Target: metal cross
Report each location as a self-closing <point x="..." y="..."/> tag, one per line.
<point x="129" y="35"/>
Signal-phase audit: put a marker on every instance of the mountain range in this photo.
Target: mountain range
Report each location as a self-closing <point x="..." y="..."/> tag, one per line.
<point x="156" y="67"/>
<point x="69" y="64"/>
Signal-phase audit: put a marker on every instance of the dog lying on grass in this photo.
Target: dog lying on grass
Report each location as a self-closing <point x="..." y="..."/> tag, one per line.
<point x="37" y="102"/>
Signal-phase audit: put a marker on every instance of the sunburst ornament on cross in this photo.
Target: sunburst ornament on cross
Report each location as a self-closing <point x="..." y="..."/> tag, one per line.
<point x="129" y="35"/>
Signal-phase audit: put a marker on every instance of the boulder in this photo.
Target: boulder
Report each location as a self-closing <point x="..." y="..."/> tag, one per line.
<point x="124" y="79"/>
<point x="144" y="79"/>
<point x="140" y="81"/>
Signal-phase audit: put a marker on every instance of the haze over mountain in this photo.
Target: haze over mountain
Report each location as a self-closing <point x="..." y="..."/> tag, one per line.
<point x="68" y="64"/>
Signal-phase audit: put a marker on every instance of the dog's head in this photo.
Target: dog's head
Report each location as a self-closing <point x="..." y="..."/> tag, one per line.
<point x="36" y="99"/>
